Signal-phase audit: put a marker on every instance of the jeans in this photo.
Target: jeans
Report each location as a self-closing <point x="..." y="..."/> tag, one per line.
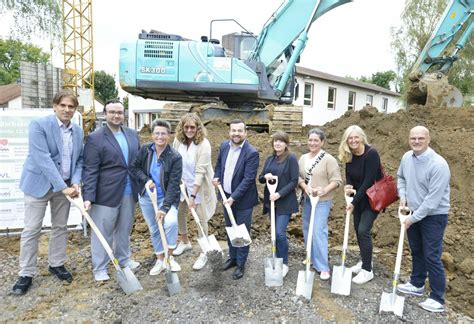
<point x="426" y="244"/>
<point x="170" y="224"/>
<point x="281" y="222"/>
<point x="363" y="221"/>
<point x="242" y="216"/>
<point x="319" y="245"/>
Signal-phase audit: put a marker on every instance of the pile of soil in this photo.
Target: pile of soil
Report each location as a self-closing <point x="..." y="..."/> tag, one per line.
<point x="451" y="136"/>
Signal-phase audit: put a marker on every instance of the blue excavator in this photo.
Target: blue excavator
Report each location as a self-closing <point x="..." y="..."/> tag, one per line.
<point x="430" y="85"/>
<point x="242" y="75"/>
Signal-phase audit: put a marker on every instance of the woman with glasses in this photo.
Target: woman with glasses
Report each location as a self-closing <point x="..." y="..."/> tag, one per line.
<point x="159" y="166"/>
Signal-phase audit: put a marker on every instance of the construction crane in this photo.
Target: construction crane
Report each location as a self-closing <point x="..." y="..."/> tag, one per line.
<point x="79" y="56"/>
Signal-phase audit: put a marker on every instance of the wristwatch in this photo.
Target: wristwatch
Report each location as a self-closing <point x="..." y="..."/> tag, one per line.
<point x="193" y="196"/>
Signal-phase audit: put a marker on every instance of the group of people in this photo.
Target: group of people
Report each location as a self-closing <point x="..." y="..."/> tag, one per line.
<point x="112" y="172"/>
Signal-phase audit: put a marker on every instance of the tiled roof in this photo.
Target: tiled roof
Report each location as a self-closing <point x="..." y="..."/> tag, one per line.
<point x="334" y="78"/>
<point x="9" y="92"/>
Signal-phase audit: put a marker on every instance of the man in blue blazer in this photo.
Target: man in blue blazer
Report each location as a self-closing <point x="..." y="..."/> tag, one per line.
<point x="51" y="171"/>
<point x="109" y="189"/>
<point x="236" y="169"/>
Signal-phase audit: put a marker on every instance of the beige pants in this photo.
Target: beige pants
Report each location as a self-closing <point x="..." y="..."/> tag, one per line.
<point x="183" y="212"/>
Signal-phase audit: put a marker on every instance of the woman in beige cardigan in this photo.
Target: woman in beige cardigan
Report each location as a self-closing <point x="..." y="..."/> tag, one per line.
<point x="191" y="142"/>
<point x="319" y="176"/>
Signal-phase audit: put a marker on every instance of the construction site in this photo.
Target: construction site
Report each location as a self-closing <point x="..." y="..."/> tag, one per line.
<point x="261" y="84"/>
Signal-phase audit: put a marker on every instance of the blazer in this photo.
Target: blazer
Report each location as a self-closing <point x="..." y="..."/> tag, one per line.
<point x="105" y="170"/>
<point x="244" y="188"/>
<point x="42" y="168"/>
<point x="287" y="181"/>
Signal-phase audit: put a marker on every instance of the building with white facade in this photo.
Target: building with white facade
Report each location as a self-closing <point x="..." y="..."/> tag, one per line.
<point x="323" y="96"/>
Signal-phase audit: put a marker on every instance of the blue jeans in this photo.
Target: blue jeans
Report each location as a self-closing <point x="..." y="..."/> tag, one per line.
<point x="426" y="244"/>
<point x="319" y="246"/>
<point x="281" y="222"/>
<point x="170" y="224"/>
<point x="242" y="216"/>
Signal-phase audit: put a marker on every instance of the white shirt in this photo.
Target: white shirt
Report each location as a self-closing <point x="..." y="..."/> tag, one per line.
<point x="66" y="157"/>
<point x="230" y="163"/>
<point x="188" y="153"/>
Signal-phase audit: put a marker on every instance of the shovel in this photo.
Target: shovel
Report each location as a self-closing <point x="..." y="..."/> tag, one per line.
<point x="341" y="276"/>
<point x="208" y="244"/>
<point x="172" y="280"/>
<point x="125" y="277"/>
<point x="273" y="265"/>
<point x="304" y="285"/>
<point x="238" y="234"/>
<point x="391" y="302"/>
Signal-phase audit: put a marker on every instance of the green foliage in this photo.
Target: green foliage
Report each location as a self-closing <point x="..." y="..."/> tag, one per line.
<point x="418" y="21"/>
<point x="33" y="18"/>
<point x="104" y="86"/>
<point x="12" y="52"/>
<point x="125" y="102"/>
<point x="382" y="79"/>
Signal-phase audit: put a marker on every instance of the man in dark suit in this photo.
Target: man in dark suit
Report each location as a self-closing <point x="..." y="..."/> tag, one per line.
<point x="51" y="171"/>
<point x="236" y="169"/>
<point x="110" y="190"/>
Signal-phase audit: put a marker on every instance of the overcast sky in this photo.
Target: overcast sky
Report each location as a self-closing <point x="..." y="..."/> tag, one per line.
<point x="353" y="39"/>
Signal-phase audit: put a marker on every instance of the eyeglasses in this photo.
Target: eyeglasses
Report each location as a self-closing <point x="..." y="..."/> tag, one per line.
<point x="118" y="113"/>
<point x="158" y="134"/>
<point x="419" y="139"/>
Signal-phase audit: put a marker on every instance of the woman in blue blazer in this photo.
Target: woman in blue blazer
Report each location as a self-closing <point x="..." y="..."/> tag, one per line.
<point x="284" y="165"/>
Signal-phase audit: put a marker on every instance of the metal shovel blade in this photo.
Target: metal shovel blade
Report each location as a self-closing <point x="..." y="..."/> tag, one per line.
<point x="341" y="281"/>
<point x="304" y="285"/>
<point x="391" y="302"/>
<point x="172" y="282"/>
<point x="127" y="281"/>
<point x="273" y="272"/>
<point x="238" y="235"/>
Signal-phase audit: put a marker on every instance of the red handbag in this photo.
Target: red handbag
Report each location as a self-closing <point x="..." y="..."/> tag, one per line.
<point x="383" y="192"/>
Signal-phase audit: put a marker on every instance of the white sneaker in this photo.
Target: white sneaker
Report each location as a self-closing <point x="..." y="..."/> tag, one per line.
<point x="408" y="288"/>
<point x="200" y="262"/>
<point x="175" y="267"/>
<point x="181" y="248"/>
<point x="432" y="305"/>
<point x="158" y="268"/>
<point x="324" y="275"/>
<point x="101" y="276"/>
<point x="356" y="269"/>
<point x="285" y="270"/>
<point x="363" y="277"/>
<point x="133" y="265"/>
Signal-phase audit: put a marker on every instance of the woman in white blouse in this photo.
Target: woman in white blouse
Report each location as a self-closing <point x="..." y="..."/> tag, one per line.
<point x="191" y="142"/>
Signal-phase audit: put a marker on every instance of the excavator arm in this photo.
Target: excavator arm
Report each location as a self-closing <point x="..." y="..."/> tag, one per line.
<point x="429" y="75"/>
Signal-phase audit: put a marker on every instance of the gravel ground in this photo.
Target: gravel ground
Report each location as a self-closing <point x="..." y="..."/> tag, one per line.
<point x="205" y="296"/>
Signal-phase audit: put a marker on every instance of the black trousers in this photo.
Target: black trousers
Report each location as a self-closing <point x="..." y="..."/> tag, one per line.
<point x="363" y="221"/>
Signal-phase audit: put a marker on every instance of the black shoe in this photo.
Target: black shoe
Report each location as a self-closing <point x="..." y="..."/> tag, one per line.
<point x="230" y="263"/>
<point x="61" y="273"/>
<point x="22" y="285"/>
<point x="238" y="273"/>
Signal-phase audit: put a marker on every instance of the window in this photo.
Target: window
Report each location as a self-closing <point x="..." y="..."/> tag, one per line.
<point x="351" y="100"/>
<point x="154" y="116"/>
<point x="331" y="98"/>
<point x="384" y="104"/>
<point x="308" y="94"/>
<point x="370" y="100"/>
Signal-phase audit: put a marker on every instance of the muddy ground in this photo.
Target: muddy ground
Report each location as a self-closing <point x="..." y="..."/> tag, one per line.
<point x="207" y="297"/>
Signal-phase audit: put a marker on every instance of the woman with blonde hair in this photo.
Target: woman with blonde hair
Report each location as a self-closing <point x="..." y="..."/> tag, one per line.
<point x="191" y="142"/>
<point x="362" y="164"/>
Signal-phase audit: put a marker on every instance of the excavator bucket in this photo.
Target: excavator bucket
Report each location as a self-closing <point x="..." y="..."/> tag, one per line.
<point x="433" y="90"/>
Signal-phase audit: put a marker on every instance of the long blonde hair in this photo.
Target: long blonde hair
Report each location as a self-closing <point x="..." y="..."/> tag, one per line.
<point x="345" y="154"/>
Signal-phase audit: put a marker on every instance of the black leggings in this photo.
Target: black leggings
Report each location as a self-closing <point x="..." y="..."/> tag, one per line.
<point x="363" y="221"/>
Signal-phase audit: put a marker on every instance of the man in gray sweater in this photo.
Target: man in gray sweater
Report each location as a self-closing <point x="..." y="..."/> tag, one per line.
<point x="423" y="186"/>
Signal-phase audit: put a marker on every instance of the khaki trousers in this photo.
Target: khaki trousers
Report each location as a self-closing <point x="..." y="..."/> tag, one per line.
<point x="184" y="211"/>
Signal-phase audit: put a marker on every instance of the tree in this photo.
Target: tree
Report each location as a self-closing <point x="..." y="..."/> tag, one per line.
<point x="33" y="17"/>
<point x="12" y="52"/>
<point x="382" y="79"/>
<point x="418" y="21"/>
<point x="104" y="85"/>
<point x="125" y="102"/>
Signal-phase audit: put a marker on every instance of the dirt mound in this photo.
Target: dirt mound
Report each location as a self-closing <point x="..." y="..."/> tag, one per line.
<point x="451" y="136"/>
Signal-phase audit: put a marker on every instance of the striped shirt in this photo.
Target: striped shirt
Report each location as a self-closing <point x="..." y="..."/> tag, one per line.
<point x="66" y="157"/>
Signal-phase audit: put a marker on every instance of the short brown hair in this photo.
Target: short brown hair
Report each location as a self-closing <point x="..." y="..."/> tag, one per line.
<point x="65" y="94"/>
<point x="284" y="137"/>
